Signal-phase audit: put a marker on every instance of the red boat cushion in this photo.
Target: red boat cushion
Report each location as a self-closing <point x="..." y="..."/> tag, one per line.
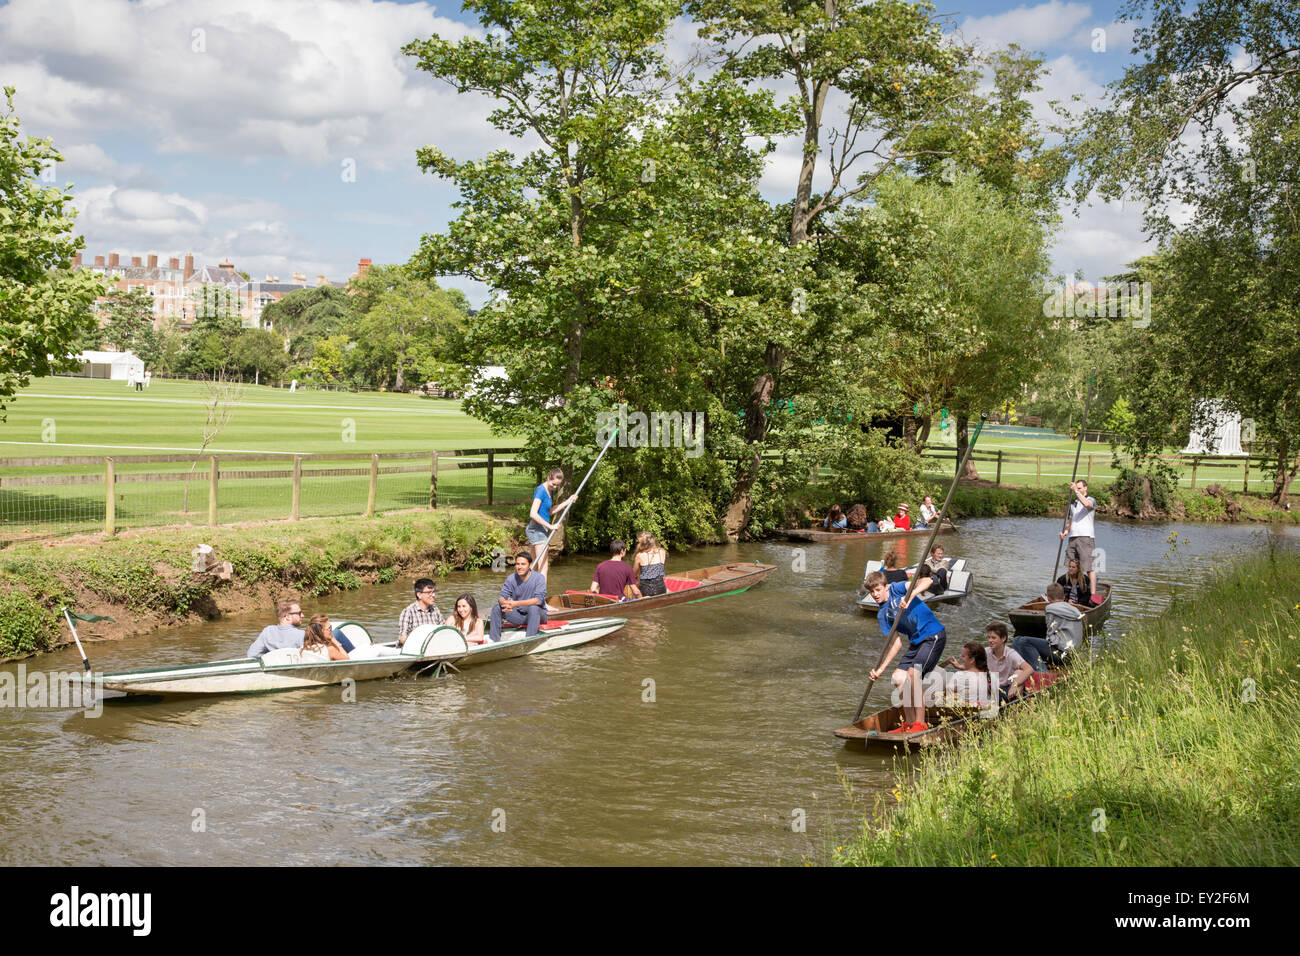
<point x="548" y="626"/>
<point x="680" y="584"/>
<point x="1040" y="679"/>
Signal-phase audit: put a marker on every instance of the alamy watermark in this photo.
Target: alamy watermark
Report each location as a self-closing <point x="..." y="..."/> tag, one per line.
<point x="1083" y="300"/>
<point x="656" y="430"/>
<point x="63" y="690"/>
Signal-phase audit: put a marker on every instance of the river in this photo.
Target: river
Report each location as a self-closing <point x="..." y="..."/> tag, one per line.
<point x="555" y="759"/>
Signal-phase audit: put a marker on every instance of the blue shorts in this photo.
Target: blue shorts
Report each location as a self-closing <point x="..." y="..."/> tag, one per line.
<point x="924" y="655"/>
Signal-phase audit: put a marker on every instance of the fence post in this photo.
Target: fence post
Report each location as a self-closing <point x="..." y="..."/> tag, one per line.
<point x="374" y="484"/>
<point x="110" y="499"/>
<point x="212" y="493"/>
<point x="1038" y="470"/>
<point x="998" y="480"/>
<point x="491" y="463"/>
<point x="1245" y="475"/>
<point x="433" y="482"/>
<point x="1195" y="462"/>
<point x="297" y="487"/>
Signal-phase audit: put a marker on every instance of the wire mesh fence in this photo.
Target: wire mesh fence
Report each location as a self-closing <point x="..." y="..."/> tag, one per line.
<point x="49" y="497"/>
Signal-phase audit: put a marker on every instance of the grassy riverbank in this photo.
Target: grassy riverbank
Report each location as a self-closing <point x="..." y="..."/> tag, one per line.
<point x="146" y="580"/>
<point x="1177" y="749"/>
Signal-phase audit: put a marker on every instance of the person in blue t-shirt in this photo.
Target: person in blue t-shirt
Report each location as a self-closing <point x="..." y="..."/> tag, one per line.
<point x="925" y="639"/>
<point x="539" y="517"/>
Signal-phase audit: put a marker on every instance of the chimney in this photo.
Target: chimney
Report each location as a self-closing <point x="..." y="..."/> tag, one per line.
<point x="112" y="260"/>
<point x="363" y="266"/>
<point x="99" y="262"/>
<point x="189" y="265"/>
<point x="135" y="262"/>
<point x="321" y="280"/>
<point x="226" y="265"/>
<point x="271" y="278"/>
<point x="299" y="277"/>
<point x="153" y="262"/>
<point x="173" y="263"/>
<point x="76" y="261"/>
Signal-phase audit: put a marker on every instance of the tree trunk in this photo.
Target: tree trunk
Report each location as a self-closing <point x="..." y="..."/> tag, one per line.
<point x="909" y="432"/>
<point x="742" y="502"/>
<point x="963" y="442"/>
<point x="1286" y="472"/>
<point x="923" y="435"/>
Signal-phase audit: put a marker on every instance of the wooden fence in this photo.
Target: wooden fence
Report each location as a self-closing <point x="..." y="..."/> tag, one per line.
<point x="1201" y="466"/>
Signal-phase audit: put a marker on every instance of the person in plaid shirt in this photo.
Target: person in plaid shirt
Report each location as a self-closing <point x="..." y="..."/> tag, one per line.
<point x="420" y="611"/>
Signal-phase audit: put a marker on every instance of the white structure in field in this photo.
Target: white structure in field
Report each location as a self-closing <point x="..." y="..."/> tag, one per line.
<point x="112" y="365"/>
<point x="1219" y="431"/>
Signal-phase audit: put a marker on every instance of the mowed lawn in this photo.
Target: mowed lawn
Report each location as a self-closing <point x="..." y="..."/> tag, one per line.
<point x="75" y="416"/>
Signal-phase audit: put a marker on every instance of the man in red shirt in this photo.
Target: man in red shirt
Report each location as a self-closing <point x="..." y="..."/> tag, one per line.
<point x="901" y="521"/>
<point x="613" y="576"/>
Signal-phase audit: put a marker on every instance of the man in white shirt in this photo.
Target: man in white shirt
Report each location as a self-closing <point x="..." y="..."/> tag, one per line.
<point x="1080" y="532"/>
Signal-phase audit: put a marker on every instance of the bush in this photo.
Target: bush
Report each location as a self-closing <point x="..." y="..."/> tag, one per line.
<point x="1135" y="492"/>
<point x="879" y="474"/>
<point x="25" y="626"/>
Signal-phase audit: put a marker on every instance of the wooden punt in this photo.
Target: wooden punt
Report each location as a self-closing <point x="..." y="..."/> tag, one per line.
<point x="1029" y="619"/>
<point x="553" y="636"/>
<point x="844" y="536"/>
<point x="873" y="732"/>
<point x="960" y="584"/>
<point x="683" y="587"/>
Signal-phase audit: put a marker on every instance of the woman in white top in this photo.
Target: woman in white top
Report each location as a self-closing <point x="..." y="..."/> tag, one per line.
<point x="928" y="511"/>
<point x="970" y="685"/>
<point x="319" y="644"/>
<point x="1009" y="668"/>
<point x="465" y="619"/>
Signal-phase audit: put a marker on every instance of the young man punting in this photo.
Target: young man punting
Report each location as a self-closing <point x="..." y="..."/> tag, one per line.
<point x="1079" y="529"/>
<point x="522" y="599"/>
<point x="925" y="638"/>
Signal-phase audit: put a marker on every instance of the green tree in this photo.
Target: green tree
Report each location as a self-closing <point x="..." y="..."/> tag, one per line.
<point x="128" y="315"/>
<point x="45" y="305"/>
<point x="259" y="354"/>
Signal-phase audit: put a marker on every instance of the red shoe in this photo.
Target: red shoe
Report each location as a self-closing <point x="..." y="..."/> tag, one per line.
<point x="900" y="729"/>
<point x="918" y="727"/>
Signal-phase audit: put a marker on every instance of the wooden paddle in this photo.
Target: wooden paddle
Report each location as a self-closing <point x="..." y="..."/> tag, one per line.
<point x="1069" y="500"/>
<point x="911" y="585"/>
<point x="564" y="512"/>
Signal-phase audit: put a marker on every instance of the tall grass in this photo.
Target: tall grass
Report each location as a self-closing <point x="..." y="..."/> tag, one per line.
<point x="1178" y="748"/>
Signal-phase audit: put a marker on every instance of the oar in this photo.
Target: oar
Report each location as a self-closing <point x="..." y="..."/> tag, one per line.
<point x="565" y="512"/>
<point x="84" y="659"/>
<point x="911" y="585"/>
<point x="1069" y="500"/>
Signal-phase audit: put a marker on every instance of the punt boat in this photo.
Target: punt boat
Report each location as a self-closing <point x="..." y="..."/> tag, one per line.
<point x="874" y="732"/>
<point x="844" y="536"/>
<point x="553" y="636"/>
<point x="1029" y="617"/>
<point x="683" y="587"/>
<point x="960" y="584"/>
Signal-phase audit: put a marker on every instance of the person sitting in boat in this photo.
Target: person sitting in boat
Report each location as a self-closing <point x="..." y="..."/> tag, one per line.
<point x="649" y="561"/>
<point x="925" y="638"/>
<point x="522" y="599"/>
<point x="319" y="644"/>
<point x="1064" y="632"/>
<point x="422" y="610"/>
<point x="937" y="576"/>
<point x="286" y="633"/>
<point x="1008" y="668"/>
<point x="857" y="517"/>
<point x="928" y="512"/>
<point x="890" y="566"/>
<point x="835" y="518"/>
<point x="901" y="520"/>
<point x="885" y="524"/>
<point x="970" y="683"/>
<point x="464" y="617"/>
<point x="937" y="558"/>
<point x="614" y="576"/>
<point x="1075" y="584"/>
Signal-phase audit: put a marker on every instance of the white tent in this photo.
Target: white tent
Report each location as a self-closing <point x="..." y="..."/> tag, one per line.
<point x="1217" y="431"/>
<point x="114" y="365"/>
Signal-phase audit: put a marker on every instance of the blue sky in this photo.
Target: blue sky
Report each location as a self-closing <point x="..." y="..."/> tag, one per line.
<point x="224" y="127"/>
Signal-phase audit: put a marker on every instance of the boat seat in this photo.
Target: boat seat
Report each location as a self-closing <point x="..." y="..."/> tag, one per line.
<point x="544" y="626"/>
<point x="281" y="656"/>
<point x="1039" y="680"/>
<point x="428" y="640"/>
<point x="959" y="581"/>
<point x="357" y="635"/>
<point x="680" y="584"/>
<point x="588" y="594"/>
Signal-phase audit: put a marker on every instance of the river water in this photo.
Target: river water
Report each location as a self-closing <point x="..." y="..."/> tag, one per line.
<point x="554" y="759"/>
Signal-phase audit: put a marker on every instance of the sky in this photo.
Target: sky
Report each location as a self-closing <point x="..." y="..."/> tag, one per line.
<point x="282" y="133"/>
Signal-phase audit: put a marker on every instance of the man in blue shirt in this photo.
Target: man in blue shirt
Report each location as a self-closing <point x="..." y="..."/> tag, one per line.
<point x="522" y="600"/>
<point x="925" y="639"/>
<point x="286" y="633"/>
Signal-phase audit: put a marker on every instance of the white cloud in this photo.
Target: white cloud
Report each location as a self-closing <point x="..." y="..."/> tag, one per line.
<point x="1036" y="27"/>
